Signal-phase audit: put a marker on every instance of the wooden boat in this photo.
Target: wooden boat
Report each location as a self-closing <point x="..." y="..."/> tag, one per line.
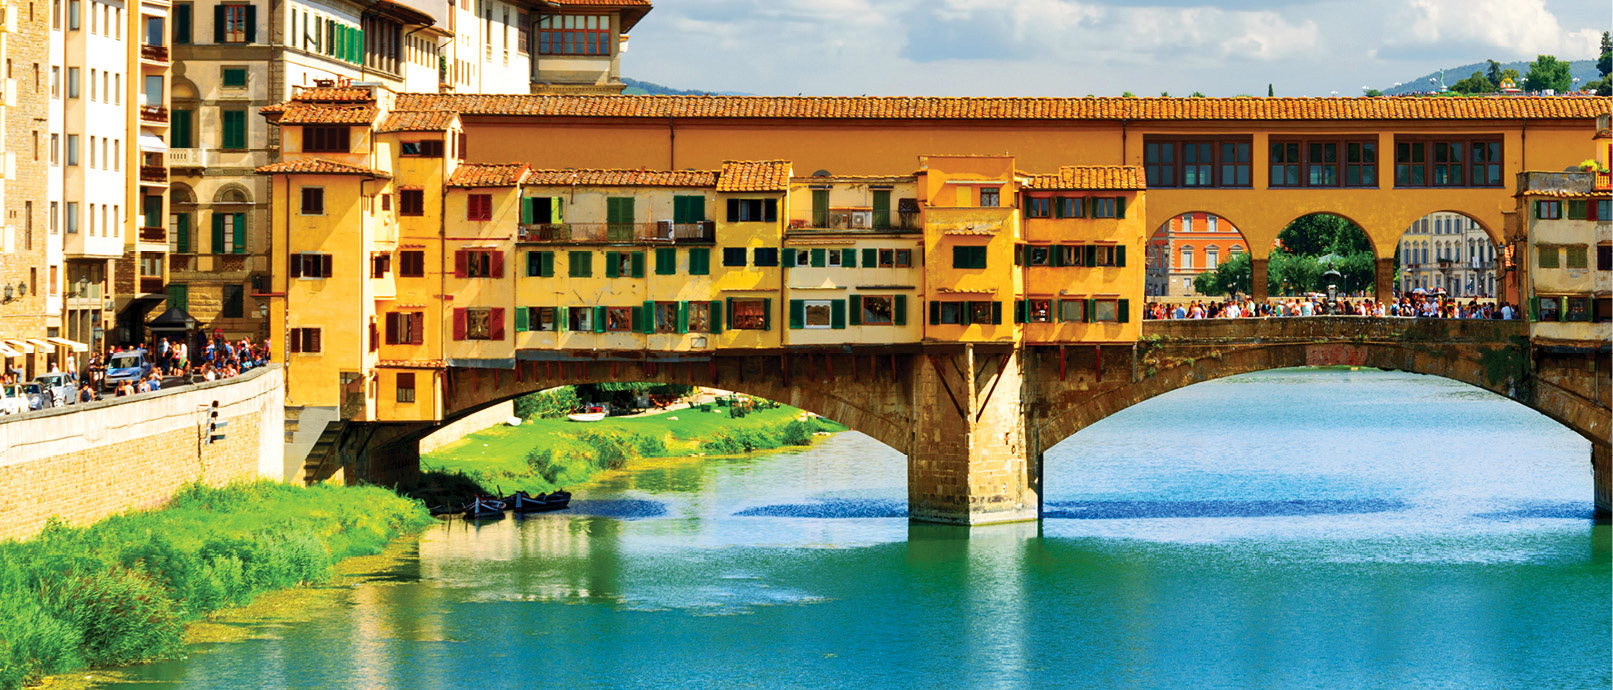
<point x="593" y="414"/>
<point x="484" y="508"/>
<point x="522" y="502"/>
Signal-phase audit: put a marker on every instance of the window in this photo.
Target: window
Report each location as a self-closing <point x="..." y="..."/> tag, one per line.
<point x="538" y="319"/>
<point x="405" y="387"/>
<point x="834" y="257"/>
<point x="411" y="202"/>
<point x="479" y="207"/>
<point x="325" y="139"/>
<point x="1547" y="309"/>
<point x="1037" y="310"/>
<point x="1544" y="210"/>
<point x="700" y="317"/>
<point x="666" y="317"/>
<point x="1576" y="309"/>
<point x="753" y="210"/>
<point x="405" y="328"/>
<point x="540" y="264"/>
<point x="234" y="24"/>
<point x="234" y="302"/>
<point x="1604" y="257"/>
<point x="817" y="314"/>
<point x="182" y="20"/>
<point x="1159" y="163"/>
<point x="1107" y="310"/>
<point x="73" y="14"/>
<point x="766" y="256"/>
<point x="1212" y="256"/>
<point x="969" y="257"/>
<point x="624" y="264"/>
<point x="478" y="323"/>
<point x="72" y="149"/>
<point x="229" y="233"/>
<point x="1196" y="162"/>
<point x="733" y="256"/>
<point x="1072" y="310"/>
<point x="887" y="257"/>
<point x="313" y="201"/>
<point x="1069" y="207"/>
<point x="582" y="319"/>
<point x="380" y="265"/>
<point x="1106" y="255"/>
<point x="1445" y="163"/>
<point x="571" y="34"/>
<point x="310" y="265"/>
<point x="947" y="312"/>
<point x="1574" y="256"/>
<point x="666" y="261"/>
<point x="1038" y="207"/>
<point x="1187" y="259"/>
<point x="304" y="340"/>
<point x="581" y="264"/>
<point x="71" y="217"/>
<point x="700" y="261"/>
<point x="985" y="312"/>
<point x="750" y="314"/>
<point x="990" y="197"/>
<point x="904" y="258"/>
<point x="233" y="135"/>
<point x="619" y="319"/>
<point x="411" y="263"/>
<point x="430" y="148"/>
<point x="878" y="310"/>
<point x="478" y="263"/>
<point x="688" y="209"/>
<point x="1547" y="257"/>
<point x="1038" y="256"/>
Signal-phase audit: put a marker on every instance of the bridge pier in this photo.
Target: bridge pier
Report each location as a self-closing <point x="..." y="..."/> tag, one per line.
<point x="1257" y="279"/>
<point x="969" y="463"/>
<point x="1384" y="279"/>
<point x="1602" y="475"/>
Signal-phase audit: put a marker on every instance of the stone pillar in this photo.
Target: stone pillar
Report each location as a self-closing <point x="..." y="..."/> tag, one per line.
<point x="1385" y="279"/>
<point x="1602" y="478"/>
<point x="969" y="463"/>
<point x="1257" y="279"/>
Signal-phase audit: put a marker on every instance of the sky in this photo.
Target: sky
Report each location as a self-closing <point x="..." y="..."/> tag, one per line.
<point x="1098" y="47"/>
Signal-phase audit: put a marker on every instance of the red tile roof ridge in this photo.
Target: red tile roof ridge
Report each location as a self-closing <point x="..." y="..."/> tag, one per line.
<point x="319" y="166"/>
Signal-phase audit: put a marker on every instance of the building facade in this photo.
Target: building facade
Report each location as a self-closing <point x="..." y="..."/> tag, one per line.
<point x="1185" y="247"/>
<point x="1567" y="225"/>
<point x="1450" y="252"/>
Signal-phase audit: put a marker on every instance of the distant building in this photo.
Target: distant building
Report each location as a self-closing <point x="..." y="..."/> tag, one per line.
<point x="1567" y="218"/>
<point x="1185" y="247"/>
<point x="1450" y="251"/>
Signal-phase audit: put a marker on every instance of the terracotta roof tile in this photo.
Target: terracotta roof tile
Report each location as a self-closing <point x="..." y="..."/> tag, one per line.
<point x="416" y="121"/>
<point x="754" y="176"/>
<point x="334" y="94"/>
<point x="624" y="178"/>
<point x="1379" y="108"/>
<point x="309" y="114"/>
<point x="318" y="166"/>
<point x="1090" y="177"/>
<point x="488" y="175"/>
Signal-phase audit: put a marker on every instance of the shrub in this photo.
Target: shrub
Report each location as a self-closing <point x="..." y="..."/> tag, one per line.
<point x="550" y="404"/>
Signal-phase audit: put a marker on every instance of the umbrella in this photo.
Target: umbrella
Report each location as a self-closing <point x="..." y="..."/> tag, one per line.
<point x="1419" y="291"/>
<point x="1439" y="291"/>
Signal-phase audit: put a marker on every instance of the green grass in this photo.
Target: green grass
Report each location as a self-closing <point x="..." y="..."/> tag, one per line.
<point x="121" y="590"/>
<point x="571" y="453"/>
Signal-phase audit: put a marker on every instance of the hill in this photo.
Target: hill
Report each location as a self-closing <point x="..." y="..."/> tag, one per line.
<point x="644" y="88"/>
<point x="1584" y="69"/>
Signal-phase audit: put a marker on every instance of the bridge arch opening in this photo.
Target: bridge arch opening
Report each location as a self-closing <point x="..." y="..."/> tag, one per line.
<point x="1451" y="254"/>
<point x="1310" y="244"/>
<point x="1196" y="255"/>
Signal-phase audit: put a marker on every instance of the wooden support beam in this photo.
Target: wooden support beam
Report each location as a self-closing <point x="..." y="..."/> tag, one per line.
<point x="1061" y="362"/>
<point x="1097" y="363"/>
<point x="829" y="363"/>
<point x="941" y="375"/>
<point x="711" y="366"/>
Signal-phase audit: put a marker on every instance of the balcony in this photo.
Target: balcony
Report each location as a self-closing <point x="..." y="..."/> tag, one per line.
<point x="154" y="173"/>
<point x="187" y="158"/>
<point x="154" y="53"/>
<point x="180" y="262"/>
<point x="705" y="231"/>
<point x="154" y="113"/>
<point x="154" y="235"/>
<point x="151" y="285"/>
<point x="1603" y="182"/>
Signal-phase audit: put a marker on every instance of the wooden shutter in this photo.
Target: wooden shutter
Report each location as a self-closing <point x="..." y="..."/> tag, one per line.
<point x="699" y="261"/>
<point x="1124" y="310"/>
<point x="294" y="265"/>
<point x="294" y="343"/>
<point x="1120" y="207"/>
<point x="546" y="267"/>
<point x="218" y="23"/>
<point x="1092" y="306"/>
<point x="1120" y="256"/>
<point x="1090" y="257"/>
<point x="495" y="323"/>
<point x="392" y="327"/>
<point x="251" y="24"/>
<point x="599" y="319"/>
<point x="1019" y="311"/>
<point x="459" y="324"/>
<point x="649" y="317"/>
<point x="837" y="314"/>
<point x="797" y="314"/>
<point x="789" y="257"/>
<point x="714" y="314"/>
<point x="498" y="263"/>
<point x="239" y="239"/>
<point x="218" y="233"/>
<point x="899" y="310"/>
<point x="182" y="232"/>
<point x="683" y="317"/>
<point x="527" y="212"/>
<point x="769" y="210"/>
<point x="521" y="319"/>
<point x="767" y="314"/>
<point x="848" y="258"/>
<point x="638" y="264"/>
<point x="870" y="258"/>
<point x="611" y="270"/>
<point x="820" y="257"/>
<point x="325" y="266"/>
<point x="935" y="313"/>
<point x="855" y="318"/>
<point x="460" y="262"/>
<point x="996" y="312"/>
<point x="417" y="332"/>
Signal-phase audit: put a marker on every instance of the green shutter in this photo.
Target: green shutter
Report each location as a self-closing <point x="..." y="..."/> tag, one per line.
<point x="870" y="258"/>
<point x="1540" y="210"/>
<point x="996" y="313"/>
<point x="837" y="314"/>
<point x="1120" y="256"/>
<point x="647" y="322"/>
<point x="1019" y="255"/>
<point x="1019" y="311"/>
<point x="960" y="257"/>
<point x="820" y="257"/>
<point x="218" y="233"/>
<point x="1534" y="305"/>
<point x="581" y="264"/>
<point x="1092" y="306"/>
<point x="797" y="314"/>
<point x="714" y="312"/>
<point x="882" y="209"/>
<point x="182" y="232"/>
<point x="599" y="319"/>
<point x="638" y="264"/>
<point x="1124" y="311"/>
<point x="935" y="313"/>
<point x="610" y="265"/>
<point x="1091" y="258"/>
<point x="179" y="296"/>
<point x="520" y="319"/>
<point x="856" y="315"/>
<point x="788" y="257"/>
<point x="683" y="317"/>
<point x="666" y="261"/>
<point x="562" y="318"/>
<point x="240" y="233"/>
<point x="820" y="208"/>
<point x="1120" y="207"/>
<point x="848" y="258"/>
<point x="528" y="208"/>
<point x="234" y="134"/>
<point x="899" y="310"/>
<point x="767" y="314"/>
<point x="700" y="261"/>
<point x="546" y="268"/>
<point x="218" y="23"/>
<point x="179" y="128"/>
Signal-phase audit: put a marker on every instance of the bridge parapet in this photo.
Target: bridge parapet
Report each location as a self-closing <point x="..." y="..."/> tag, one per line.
<point x="1333" y="328"/>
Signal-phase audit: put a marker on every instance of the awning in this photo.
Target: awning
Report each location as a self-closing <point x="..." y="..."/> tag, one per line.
<point x="151" y="142"/>
<point x="41" y="345"/>
<point x="69" y="344"/>
<point x="20" y="346"/>
<point x="8" y="352"/>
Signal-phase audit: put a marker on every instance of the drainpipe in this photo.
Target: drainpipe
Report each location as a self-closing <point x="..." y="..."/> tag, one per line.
<point x="672" y="144"/>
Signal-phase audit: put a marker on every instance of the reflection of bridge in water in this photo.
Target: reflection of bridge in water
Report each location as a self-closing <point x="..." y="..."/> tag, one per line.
<point x="974" y="420"/>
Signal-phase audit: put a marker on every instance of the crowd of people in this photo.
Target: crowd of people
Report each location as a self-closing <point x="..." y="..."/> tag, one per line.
<point x="1415" y="306"/>
<point x="176" y="363"/>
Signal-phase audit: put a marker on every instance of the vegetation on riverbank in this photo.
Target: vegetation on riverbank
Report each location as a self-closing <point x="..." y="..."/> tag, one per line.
<point x="541" y="455"/>
<point x="121" y="590"/>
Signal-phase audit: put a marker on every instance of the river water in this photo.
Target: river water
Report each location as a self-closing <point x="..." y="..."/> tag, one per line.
<point x="1291" y="529"/>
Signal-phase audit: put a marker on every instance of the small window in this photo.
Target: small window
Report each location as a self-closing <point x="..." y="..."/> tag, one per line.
<point x="666" y="317"/>
<point x="313" y="201"/>
<point x="234" y="77"/>
<point x="1106" y="310"/>
<point x="479" y="207"/>
<point x="953" y="312"/>
<point x="969" y="256"/>
<point x="1604" y="257"/>
<point x="877" y="310"/>
<point x="1574" y="257"/>
<point x="699" y="317"/>
<point x="1038" y="256"/>
<point x="750" y="314"/>
<point x="310" y="265"/>
<point x="1072" y="310"/>
<point x="1548" y="210"/>
<point x="1548" y="309"/>
<point x="1576" y="308"/>
<point x="411" y="263"/>
<point x="431" y="148"/>
<point x="833" y="260"/>
<point x="887" y="258"/>
<point x="1039" y="207"/>
<point x="818" y="313"/>
<point x="904" y="258"/>
<point x="478" y="324"/>
<point x="582" y="319"/>
<point x="989" y="197"/>
<point x="304" y="340"/>
<point x="766" y="256"/>
<point x="380" y="265"/>
<point x="411" y="202"/>
<point x="406" y="387"/>
<point x="1103" y="207"/>
<point x="580" y="264"/>
<point x="541" y="318"/>
<point x="1547" y="257"/>
<point x="733" y="256"/>
<point x="618" y="319"/>
<point x="1038" y="311"/>
<point x="325" y="139"/>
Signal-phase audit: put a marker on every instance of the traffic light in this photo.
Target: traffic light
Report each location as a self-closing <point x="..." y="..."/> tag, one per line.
<point x="214" y="424"/>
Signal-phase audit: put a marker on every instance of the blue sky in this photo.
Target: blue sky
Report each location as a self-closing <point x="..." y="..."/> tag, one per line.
<point x="1102" y="47"/>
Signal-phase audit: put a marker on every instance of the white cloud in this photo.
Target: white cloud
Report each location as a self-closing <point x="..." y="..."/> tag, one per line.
<point x="1519" y="28"/>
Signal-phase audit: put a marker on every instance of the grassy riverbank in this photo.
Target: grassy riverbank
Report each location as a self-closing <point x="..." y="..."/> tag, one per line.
<point x="121" y="590"/>
<point x="543" y="454"/>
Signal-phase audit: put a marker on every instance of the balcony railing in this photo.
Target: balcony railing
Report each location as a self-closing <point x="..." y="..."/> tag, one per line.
<point x="180" y="262"/>
<point x="151" y="52"/>
<point x="1603" y="181"/>
<point x="154" y="113"/>
<point x="153" y="173"/>
<point x="187" y="158"/>
<point x="705" y="231"/>
<point x="151" y="284"/>
<point x="157" y="235"/>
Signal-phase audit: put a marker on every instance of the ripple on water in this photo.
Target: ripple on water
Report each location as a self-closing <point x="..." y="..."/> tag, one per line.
<point x="619" y="508"/>
<point x="1130" y="510"/>
<point x="832" y="508"/>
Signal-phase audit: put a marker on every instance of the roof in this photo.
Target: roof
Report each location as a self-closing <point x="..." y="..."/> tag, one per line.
<point x="1090" y="177"/>
<point x="796" y="107"/>
<point x="318" y="166"/>
<point x="754" y="176"/>
<point x="400" y="12"/>
<point x="487" y="175"/>
<point x="317" y="114"/>
<point x="329" y="95"/>
<point x="416" y="121"/>
<point x="631" y="10"/>
<point x="624" y="178"/>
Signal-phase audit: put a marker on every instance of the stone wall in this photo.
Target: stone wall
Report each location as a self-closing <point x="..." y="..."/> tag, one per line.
<point x="85" y="462"/>
<point x="24" y="257"/>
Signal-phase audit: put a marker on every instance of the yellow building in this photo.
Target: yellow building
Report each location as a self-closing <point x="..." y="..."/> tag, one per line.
<point x="1082" y="252"/>
<point x="1567" y="218"/>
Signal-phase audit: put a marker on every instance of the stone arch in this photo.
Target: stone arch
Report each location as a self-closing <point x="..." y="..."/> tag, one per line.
<point x="1377" y="250"/>
<point x="1159" y="246"/>
<point x="181" y="193"/>
<point x="183" y="89"/>
<point x="1490" y="229"/>
<point x="232" y="193"/>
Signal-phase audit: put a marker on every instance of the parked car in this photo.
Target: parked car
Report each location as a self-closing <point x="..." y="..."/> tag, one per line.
<point x="59" y="389"/>
<point x="13" y="400"/>
<point x="130" y="366"/>
<point x="35" y="395"/>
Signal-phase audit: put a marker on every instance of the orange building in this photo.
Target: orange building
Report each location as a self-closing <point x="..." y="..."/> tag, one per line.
<point x="1185" y="247"/>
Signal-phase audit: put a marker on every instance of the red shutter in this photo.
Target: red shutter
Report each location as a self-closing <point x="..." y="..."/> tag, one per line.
<point x="498" y="264"/>
<point x="295" y="264"/>
<point x="419" y="328"/>
<point x="294" y="343"/>
<point x="324" y="265"/>
<point x="495" y="323"/>
<point x="459" y="264"/>
<point x="459" y="324"/>
<point x="392" y="327"/>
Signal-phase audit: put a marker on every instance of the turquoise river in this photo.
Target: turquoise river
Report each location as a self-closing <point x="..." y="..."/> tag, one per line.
<point x="1292" y="529"/>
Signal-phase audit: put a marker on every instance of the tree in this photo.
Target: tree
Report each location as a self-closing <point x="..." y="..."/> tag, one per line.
<point x="1321" y="233"/>
<point x="1372" y="93"/>
<point x="1164" y="94"/>
<point x="1477" y="83"/>
<point x="1547" y="72"/>
<point x="1128" y="94"/>
<point x="1270" y="91"/>
<point x="1229" y="276"/>
<point x="1604" y="64"/>
<point x="1494" y="74"/>
<point x="1197" y="94"/>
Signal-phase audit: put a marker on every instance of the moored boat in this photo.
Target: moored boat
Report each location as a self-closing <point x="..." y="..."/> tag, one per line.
<point x="484" y="508"/>
<point x="593" y="413"/>
<point x="522" y="502"/>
